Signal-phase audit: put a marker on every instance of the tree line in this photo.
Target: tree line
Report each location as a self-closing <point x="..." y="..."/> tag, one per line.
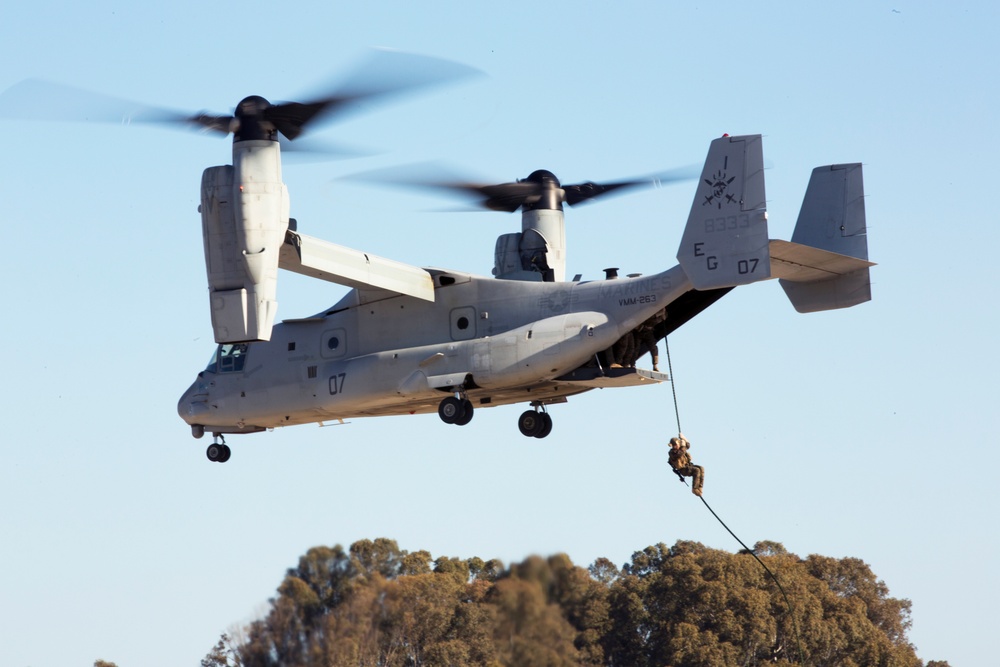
<point x="685" y="605"/>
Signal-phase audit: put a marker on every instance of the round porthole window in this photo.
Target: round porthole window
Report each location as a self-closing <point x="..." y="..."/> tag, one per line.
<point x="333" y="343"/>
<point x="463" y="323"/>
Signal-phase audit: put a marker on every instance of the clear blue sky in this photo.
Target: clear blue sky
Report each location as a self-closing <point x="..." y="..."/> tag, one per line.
<point x="866" y="432"/>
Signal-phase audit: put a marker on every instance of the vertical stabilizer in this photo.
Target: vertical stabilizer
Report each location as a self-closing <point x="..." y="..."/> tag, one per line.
<point x="725" y="242"/>
<point x="832" y="218"/>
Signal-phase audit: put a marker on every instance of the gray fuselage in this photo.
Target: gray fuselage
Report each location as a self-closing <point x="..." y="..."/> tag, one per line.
<point x="380" y="353"/>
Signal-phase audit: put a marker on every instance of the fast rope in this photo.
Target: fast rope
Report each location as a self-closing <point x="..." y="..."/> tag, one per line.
<point x="673" y="385"/>
<point x="791" y="610"/>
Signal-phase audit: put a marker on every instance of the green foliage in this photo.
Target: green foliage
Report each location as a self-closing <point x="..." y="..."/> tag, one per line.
<point x="685" y="605"/>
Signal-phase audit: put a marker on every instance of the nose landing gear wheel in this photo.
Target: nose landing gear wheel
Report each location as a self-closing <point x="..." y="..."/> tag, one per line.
<point x="546" y="425"/>
<point x="218" y="452"/>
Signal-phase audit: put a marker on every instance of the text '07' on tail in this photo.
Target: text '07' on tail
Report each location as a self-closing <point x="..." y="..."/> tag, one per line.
<point x="725" y="242"/>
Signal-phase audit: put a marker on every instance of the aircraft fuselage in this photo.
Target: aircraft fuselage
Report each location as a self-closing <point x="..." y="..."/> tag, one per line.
<point x="380" y="353"/>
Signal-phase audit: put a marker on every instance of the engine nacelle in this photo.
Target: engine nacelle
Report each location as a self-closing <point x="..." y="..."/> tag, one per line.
<point x="244" y="214"/>
<point x="538" y="252"/>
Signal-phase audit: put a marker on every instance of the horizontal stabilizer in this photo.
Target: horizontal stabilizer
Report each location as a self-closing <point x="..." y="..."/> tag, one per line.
<point x="336" y="264"/>
<point x="802" y="264"/>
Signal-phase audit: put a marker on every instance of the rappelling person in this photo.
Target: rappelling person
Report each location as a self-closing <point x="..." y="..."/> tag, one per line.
<point x="680" y="461"/>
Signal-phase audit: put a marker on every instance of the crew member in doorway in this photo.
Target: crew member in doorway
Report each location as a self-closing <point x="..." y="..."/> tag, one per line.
<point x="680" y="461"/>
<point x="647" y="343"/>
<point x="645" y="337"/>
<point x="623" y="351"/>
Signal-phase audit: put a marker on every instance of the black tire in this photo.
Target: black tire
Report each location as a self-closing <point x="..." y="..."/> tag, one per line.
<point x="467" y="412"/>
<point x="214" y="452"/>
<point x="451" y="410"/>
<point x="226" y="453"/>
<point x="546" y="425"/>
<point x="530" y="423"/>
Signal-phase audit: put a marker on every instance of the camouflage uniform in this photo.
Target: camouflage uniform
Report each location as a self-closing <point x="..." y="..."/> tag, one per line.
<point x="680" y="461"/>
<point x="647" y="343"/>
<point x="647" y="337"/>
<point x="623" y="350"/>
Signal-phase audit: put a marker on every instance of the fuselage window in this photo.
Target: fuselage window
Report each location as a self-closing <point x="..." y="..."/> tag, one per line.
<point x="232" y="357"/>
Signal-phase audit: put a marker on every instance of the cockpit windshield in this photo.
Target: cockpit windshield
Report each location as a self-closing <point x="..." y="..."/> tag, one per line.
<point x="229" y="358"/>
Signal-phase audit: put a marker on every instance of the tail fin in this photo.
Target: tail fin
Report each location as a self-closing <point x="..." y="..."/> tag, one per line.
<point x="725" y="241"/>
<point x="826" y="265"/>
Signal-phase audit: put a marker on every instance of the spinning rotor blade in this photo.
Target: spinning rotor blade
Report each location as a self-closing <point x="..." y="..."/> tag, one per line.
<point x="35" y="99"/>
<point x="541" y="189"/>
<point x="506" y="197"/>
<point x="584" y="192"/>
<point x="381" y="75"/>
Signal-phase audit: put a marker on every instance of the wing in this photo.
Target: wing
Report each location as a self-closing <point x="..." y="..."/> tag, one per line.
<point x="337" y="264"/>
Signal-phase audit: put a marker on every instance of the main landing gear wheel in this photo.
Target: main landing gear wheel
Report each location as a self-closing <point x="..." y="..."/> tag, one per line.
<point x="467" y="414"/>
<point x="534" y="424"/>
<point x="454" y="410"/>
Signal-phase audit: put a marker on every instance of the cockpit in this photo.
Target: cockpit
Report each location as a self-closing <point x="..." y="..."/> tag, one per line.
<point x="229" y="358"/>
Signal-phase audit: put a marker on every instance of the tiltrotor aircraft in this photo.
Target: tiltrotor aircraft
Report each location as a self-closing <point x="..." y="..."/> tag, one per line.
<point x="409" y="340"/>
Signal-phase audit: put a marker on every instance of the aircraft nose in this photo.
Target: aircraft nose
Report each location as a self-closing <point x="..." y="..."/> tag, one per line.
<point x="193" y="403"/>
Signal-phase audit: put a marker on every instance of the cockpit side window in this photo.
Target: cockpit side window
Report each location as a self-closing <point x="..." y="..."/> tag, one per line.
<point x="229" y="358"/>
